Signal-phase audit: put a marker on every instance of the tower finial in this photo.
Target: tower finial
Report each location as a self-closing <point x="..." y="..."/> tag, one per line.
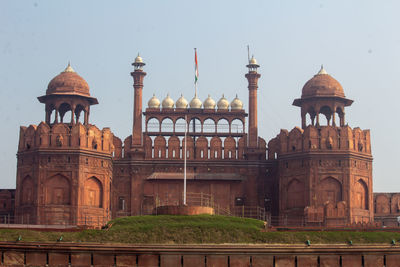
<point x="138" y="64"/>
<point x="69" y="68"/>
<point x="322" y="70"/>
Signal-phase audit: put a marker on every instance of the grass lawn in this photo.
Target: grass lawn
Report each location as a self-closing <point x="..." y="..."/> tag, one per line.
<point x="199" y="229"/>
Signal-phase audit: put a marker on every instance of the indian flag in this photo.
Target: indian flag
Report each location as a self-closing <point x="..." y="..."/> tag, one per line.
<point x="196" y="67"/>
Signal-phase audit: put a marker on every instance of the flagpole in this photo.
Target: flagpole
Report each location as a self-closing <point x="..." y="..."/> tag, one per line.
<point x="196" y="72"/>
<point x="195" y="89"/>
<point x="184" y="165"/>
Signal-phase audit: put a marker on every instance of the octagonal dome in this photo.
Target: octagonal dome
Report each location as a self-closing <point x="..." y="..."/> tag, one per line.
<point x="322" y="84"/>
<point x="68" y="82"/>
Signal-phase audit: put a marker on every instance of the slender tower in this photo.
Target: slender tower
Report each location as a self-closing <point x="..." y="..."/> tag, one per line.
<point x="252" y="77"/>
<point x="138" y="76"/>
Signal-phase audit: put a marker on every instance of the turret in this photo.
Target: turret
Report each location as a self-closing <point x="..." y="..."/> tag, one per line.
<point x="322" y="94"/>
<point x="67" y="92"/>
<point x="138" y="77"/>
<point x="252" y="77"/>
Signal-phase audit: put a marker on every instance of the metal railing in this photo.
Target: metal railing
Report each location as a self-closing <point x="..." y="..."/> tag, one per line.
<point x="207" y="200"/>
<point x="293" y="221"/>
<point x="53" y="220"/>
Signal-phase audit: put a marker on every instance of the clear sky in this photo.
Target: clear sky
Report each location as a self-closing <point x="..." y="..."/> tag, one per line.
<point x="357" y="41"/>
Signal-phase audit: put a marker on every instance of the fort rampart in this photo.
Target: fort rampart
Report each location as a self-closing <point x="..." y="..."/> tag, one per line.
<point x="76" y="254"/>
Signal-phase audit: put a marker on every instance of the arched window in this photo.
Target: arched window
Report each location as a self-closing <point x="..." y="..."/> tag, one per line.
<point x="65" y="110"/>
<point x="153" y="125"/>
<point x="361" y="195"/>
<point x="237" y="126"/>
<point x="327" y="112"/>
<point x="330" y="190"/>
<point x="57" y="190"/>
<point x="180" y="125"/>
<point x="93" y="196"/>
<point x="209" y="126"/>
<point x="223" y="126"/>
<point x="167" y="125"/>
<point x="195" y="125"/>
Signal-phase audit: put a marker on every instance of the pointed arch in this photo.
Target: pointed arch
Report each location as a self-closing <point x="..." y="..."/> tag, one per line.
<point x="223" y="126"/>
<point x="202" y="148"/>
<point x="173" y="147"/>
<point x="57" y="190"/>
<point x="167" y="125"/>
<point x="93" y="196"/>
<point x="209" y="125"/>
<point x="215" y="148"/>
<point x="153" y="125"/>
<point x="160" y="147"/>
<point x="329" y="190"/>
<point x="361" y="195"/>
<point x="195" y="125"/>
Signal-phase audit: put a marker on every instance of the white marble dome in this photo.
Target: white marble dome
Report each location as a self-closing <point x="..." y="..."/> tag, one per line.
<point x="181" y="102"/>
<point x="195" y="102"/>
<point x="236" y="104"/>
<point x="154" y="102"/>
<point x="168" y="102"/>
<point x="223" y="103"/>
<point x="209" y="103"/>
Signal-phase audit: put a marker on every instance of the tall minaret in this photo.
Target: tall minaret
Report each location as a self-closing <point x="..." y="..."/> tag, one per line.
<point x="252" y="76"/>
<point x="138" y="76"/>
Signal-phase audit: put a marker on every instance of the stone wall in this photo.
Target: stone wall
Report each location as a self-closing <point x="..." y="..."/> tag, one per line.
<point x="387" y="208"/>
<point x="46" y="254"/>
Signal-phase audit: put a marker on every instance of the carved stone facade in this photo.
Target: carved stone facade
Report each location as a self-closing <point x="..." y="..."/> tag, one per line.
<point x="387" y="208"/>
<point x="74" y="173"/>
<point x="325" y="171"/>
<point x="64" y="170"/>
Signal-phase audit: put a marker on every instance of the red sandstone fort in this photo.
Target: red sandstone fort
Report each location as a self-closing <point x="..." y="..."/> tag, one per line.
<point x="71" y="172"/>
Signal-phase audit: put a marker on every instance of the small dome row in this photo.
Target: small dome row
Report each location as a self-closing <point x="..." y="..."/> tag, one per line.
<point x="209" y="103"/>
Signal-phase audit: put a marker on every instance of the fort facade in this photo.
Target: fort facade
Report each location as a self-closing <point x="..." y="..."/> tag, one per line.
<point x="71" y="172"/>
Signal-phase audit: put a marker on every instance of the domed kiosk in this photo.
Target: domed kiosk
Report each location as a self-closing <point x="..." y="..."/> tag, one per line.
<point x="322" y="94"/>
<point x="67" y="92"/>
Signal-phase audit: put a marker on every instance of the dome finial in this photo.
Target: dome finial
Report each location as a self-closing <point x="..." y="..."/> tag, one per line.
<point x="138" y="64"/>
<point x="69" y="68"/>
<point x="253" y="65"/>
<point x="322" y="70"/>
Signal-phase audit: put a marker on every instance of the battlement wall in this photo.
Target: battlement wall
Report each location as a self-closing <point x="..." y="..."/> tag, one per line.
<point x="62" y="136"/>
<point x="199" y="147"/>
<point x="322" y="138"/>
